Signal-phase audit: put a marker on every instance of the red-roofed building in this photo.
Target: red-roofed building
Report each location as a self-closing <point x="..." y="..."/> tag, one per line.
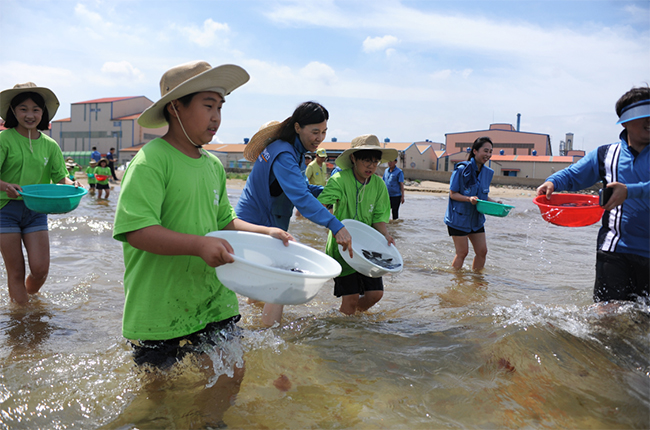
<point x="505" y="137"/>
<point x="104" y="123"/>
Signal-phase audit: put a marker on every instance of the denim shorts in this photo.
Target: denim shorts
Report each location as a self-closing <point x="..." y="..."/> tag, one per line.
<point x="15" y="217"/>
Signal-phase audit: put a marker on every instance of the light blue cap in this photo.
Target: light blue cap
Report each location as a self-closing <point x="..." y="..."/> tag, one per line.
<point x="640" y="109"/>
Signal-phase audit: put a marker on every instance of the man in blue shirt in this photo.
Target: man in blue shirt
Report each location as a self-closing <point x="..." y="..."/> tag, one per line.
<point x="95" y="155"/>
<point x="394" y="178"/>
<point x="111" y="162"/>
<point x="623" y="255"/>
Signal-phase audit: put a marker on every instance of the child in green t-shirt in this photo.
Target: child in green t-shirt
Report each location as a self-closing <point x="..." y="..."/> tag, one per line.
<point x="357" y="193"/>
<point x="172" y="194"/>
<point x="104" y="172"/>
<point x="90" y="173"/>
<point x="27" y="156"/>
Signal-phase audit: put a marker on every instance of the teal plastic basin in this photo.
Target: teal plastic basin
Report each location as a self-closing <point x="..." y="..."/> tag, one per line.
<point x="52" y="198"/>
<point x="494" y="209"/>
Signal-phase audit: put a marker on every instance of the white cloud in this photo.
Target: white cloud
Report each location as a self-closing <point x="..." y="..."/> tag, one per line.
<point x="319" y="72"/>
<point x="94" y="26"/>
<point x="122" y="70"/>
<point x="441" y="74"/>
<point x="210" y="34"/>
<point x="373" y="44"/>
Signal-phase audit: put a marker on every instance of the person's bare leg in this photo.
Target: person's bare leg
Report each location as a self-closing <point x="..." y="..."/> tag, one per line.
<point x="37" y="245"/>
<point x="479" y="243"/>
<point x="462" y="248"/>
<point x="369" y="299"/>
<point x="349" y="304"/>
<point x="12" y="254"/>
<point x="272" y="314"/>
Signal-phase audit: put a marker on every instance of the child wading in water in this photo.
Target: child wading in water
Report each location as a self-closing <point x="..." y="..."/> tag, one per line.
<point x="357" y="193"/>
<point x="103" y="185"/>
<point x="90" y="172"/>
<point x="174" y="193"/>
<point x="27" y="157"/>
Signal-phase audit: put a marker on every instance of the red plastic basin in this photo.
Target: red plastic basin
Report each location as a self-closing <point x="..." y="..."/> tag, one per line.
<point x="101" y="177"/>
<point x="570" y="210"/>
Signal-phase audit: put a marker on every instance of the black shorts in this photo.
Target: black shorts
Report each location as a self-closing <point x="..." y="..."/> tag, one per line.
<point x="103" y="186"/>
<point x="621" y="277"/>
<point x="455" y="232"/>
<point x="92" y="185"/>
<point x="162" y="354"/>
<point x="356" y="283"/>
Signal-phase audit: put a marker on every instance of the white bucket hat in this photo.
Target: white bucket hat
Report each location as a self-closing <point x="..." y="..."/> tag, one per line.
<point x="190" y="78"/>
<point x="51" y="102"/>
<point x="367" y="141"/>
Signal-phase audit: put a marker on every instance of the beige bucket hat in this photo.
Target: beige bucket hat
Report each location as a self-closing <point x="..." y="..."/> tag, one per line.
<point x="51" y="102"/>
<point x="267" y="133"/>
<point x="367" y="141"/>
<point x="189" y="78"/>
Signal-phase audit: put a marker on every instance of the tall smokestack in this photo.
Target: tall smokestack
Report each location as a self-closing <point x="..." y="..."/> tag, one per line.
<point x="518" y="120"/>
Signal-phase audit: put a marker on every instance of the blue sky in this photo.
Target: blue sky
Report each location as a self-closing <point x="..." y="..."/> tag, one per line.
<point x="404" y="70"/>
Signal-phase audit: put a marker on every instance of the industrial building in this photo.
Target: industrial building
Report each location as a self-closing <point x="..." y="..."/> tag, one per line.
<point x="104" y="123"/>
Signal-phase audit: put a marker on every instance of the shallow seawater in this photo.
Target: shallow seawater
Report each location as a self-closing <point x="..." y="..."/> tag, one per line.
<point x="519" y="345"/>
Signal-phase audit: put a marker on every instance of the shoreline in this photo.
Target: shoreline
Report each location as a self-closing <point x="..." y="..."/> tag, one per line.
<point x="496" y="191"/>
<point x="411" y="187"/>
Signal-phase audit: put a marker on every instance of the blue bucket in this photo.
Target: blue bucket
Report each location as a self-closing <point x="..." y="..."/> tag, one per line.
<point x="52" y="198"/>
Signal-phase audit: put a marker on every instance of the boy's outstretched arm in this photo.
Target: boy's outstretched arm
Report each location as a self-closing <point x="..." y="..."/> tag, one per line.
<point x="381" y="228"/>
<point x="241" y="225"/>
<point x="162" y="241"/>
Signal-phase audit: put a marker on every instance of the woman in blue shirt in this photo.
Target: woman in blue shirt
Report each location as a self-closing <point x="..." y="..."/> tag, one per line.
<point x="277" y="182"/>
<point x="469" y="183"/>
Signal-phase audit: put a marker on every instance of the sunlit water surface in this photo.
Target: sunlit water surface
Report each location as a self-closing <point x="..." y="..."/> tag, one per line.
<point x="519" y="345"/>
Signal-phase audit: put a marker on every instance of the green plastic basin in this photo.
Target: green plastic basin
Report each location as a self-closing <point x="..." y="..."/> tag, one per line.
<point x="52" y="198"/>
<point x="494" y="209"/>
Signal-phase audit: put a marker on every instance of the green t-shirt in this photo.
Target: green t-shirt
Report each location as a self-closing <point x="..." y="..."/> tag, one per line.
<point x="91" y="171"/>
<point x="168" y="296"/>
<point x="352" y="200"/>
<point x="19" y="165"/>
<point x="316" y="175"/>
<point x="106" y="171"/>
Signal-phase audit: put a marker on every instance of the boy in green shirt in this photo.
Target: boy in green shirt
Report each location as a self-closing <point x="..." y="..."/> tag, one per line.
<point x="173" y="193"/>
<point x="357" y="193"/>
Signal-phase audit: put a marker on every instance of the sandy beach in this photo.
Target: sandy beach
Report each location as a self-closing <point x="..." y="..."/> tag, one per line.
<point x="496" y="191"/>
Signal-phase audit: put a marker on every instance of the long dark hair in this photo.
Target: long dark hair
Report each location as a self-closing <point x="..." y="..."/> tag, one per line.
<point x="306" y="113"/>
<point x="478" y="143"/>
<point x="10" y="119"/>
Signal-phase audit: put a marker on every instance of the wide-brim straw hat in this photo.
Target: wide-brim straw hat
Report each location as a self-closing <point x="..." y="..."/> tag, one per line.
<point x="102" y="159"/>
<point x="367" y="141"/>
<point x="189" y="78"/>
<point x="267" y="134"/>
<point x="51" y="102"/>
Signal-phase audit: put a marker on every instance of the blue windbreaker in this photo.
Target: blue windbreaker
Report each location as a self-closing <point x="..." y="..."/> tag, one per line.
<point x="276" y="184"/>
<point x="625" y="228"/>
<point x="463" y="216"/>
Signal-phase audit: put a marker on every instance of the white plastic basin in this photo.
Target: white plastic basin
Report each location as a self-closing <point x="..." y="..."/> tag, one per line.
<point x="263" y="268"/>
<point x="364" y="237"/>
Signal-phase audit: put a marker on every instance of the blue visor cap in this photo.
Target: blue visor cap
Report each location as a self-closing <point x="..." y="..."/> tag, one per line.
<point x="636" y="110"/>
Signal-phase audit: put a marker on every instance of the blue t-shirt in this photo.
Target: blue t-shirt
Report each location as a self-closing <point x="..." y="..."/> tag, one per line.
<point x="393" y="180"/>
<point x="95" y="155"/>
